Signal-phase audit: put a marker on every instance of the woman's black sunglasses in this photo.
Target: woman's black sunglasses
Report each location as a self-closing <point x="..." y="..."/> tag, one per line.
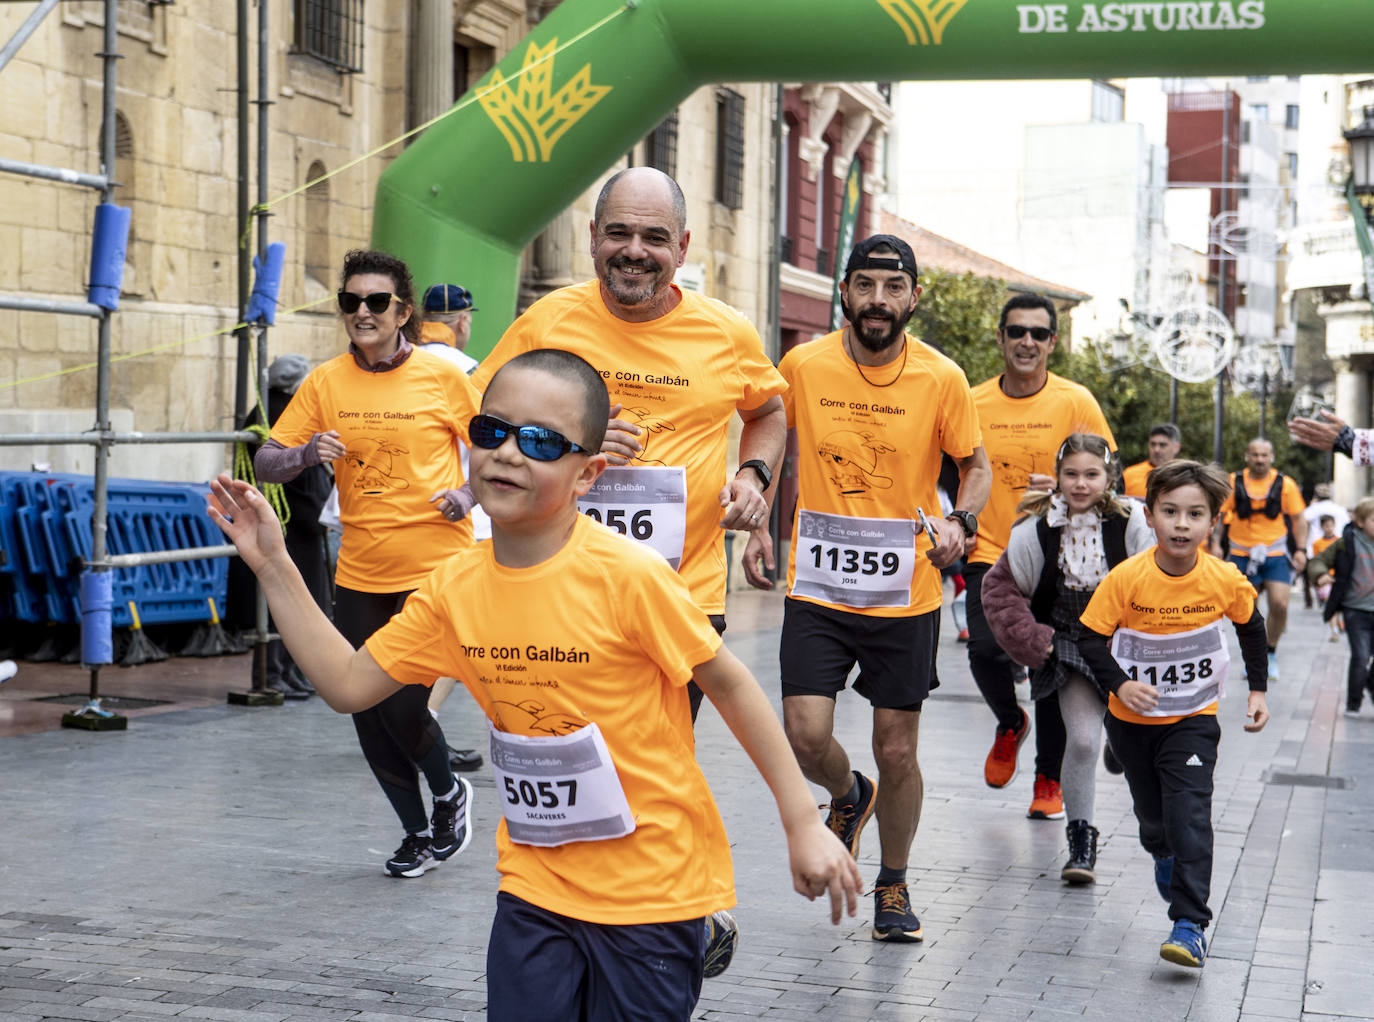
<point x="377" y="302"/>
<point x="537" y="442"/>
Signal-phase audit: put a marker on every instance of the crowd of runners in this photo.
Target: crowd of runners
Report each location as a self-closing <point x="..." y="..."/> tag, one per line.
<point x="595" y="441"/>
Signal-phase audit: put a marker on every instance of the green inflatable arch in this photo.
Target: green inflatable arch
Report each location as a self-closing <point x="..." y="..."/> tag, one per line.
<point x="462" y="202"/>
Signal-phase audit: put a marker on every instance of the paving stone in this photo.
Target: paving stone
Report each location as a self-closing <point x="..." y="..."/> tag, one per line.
<point x="214" y="936"/>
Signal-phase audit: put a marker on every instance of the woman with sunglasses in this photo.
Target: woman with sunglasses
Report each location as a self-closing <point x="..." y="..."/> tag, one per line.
<point x="390" y="423"/>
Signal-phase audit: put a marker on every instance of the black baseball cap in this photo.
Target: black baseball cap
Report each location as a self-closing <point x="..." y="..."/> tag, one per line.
<point x="861" y="257"/>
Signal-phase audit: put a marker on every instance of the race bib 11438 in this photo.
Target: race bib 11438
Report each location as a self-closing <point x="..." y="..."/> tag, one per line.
<point x="1187" y="670"/>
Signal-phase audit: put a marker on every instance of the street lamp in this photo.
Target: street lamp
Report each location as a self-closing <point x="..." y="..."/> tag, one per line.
<point x="1361" y="140"/>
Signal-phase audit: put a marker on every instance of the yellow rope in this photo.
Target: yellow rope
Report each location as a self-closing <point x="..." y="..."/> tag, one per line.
<point x="263" y="207"/>
<point x="467" y="101"/>
<point x="153" y="350"/>
<point x="275" y="493"/>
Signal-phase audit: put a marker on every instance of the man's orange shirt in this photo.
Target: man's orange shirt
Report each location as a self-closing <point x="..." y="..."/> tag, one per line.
<point x="871" y="450"/>
<point x="401" y="429"/>
<point x="1258" y="530"/>
<point x="1139" y="595"/>
<point x="1133" y="479"/>
<point x="604" y="631"/>
<point x="1022" y="435"/>
<point x="680" y="378"/>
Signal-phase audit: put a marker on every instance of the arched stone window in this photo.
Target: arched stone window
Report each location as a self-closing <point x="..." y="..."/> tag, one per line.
<point x="319" y="269"/>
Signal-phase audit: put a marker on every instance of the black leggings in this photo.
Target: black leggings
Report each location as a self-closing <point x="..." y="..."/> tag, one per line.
<point x="995" y="675"/>
<point x="399" y="736"/>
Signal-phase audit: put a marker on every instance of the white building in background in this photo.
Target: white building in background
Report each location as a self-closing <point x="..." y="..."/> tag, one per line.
<point x="1333" y="312"/>
<point x="1253" y="240"/>
<point x="1065" y="179"/>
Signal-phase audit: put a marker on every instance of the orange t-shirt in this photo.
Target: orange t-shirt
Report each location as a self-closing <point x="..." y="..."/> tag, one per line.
<point x="1257" y="530"/>
<point x="1321" y="543"/>
<point x="680" y="378"/>
<point x="1139" y="595"/>
<point x="618" y="650"/>
<point x="1022" y="435"/>
<point x="1133" y="479"/>
<point x="870" y="443"/>
<point x="401" y="429"/>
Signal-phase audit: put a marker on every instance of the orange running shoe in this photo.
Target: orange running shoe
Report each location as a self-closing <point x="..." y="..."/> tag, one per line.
<point x="1048" y="800"/>
<point x="1000" y="767"/>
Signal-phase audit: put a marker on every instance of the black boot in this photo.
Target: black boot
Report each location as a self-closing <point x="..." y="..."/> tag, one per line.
<point x="1081" y="867"/>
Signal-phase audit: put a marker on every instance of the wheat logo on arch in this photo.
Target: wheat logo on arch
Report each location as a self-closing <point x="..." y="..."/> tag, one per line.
<point x="533" y="117"/>
<point x="922" y="21"/>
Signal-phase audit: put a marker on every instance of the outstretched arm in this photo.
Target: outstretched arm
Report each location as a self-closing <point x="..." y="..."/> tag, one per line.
<point x="349" y="680"/>
<point x="818" y="861"/>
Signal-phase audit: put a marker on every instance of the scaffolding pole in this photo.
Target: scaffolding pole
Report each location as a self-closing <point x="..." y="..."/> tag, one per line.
<point x="25" y="30"/>
<point x="111" y="437"/>
<point x="259" y="693"/>
<point x="91" y="717"/>
<point x="101" y="437"/>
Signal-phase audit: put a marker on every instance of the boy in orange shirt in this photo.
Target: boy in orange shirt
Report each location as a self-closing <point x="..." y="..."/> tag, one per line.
<point x="579" y="649"/>
<point x="1166" y="670"/>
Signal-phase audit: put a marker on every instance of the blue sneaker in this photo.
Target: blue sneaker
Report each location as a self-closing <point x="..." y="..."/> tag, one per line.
<point x="1185" y="946"/>
<point x="1164" y="875"/>
<point x="1273" y="667"/>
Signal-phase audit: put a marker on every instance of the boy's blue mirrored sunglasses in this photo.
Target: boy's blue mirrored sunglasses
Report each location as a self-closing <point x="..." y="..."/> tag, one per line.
<point x="537" y="442"/>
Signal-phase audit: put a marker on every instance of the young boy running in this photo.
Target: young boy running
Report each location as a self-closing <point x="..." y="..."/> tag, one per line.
<point x="1166" y="670"/>
<point x="578" y="646"/>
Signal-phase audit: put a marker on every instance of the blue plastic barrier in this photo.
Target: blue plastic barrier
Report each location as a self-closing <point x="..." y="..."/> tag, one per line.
<point x="45" y="532"/>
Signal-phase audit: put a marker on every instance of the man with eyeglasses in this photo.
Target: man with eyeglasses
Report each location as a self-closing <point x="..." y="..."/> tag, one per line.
<point x="1025" y="413"/>
<point x="679" y="366"/>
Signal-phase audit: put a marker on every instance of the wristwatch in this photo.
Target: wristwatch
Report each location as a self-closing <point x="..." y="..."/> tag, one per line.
<point x="967" y="519"/>
<point x="761" y="468"/>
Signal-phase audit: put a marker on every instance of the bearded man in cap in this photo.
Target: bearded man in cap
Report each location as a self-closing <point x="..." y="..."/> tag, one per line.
<point x="874" y="410"/>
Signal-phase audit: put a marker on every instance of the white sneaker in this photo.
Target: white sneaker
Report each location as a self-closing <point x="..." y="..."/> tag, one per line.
<point x="1273" y="667"/>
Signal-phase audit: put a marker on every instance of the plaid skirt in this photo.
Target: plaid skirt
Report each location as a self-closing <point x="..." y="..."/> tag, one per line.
<point x="1049" y="678"/>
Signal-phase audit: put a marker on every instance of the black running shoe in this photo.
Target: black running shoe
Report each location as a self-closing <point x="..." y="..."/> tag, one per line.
<point x="722" y="939"/>
<point x="464" y="760"/>
<point x="846" y="821"/>
<point x="415" y="856"/>
<point x="892" y="916"/>
<point x="452" y="822"/>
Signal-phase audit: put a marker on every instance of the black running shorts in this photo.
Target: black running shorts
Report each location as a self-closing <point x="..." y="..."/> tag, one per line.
<point x="896" y="655"/>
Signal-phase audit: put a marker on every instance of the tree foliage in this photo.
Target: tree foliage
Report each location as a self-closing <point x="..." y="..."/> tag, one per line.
<point x="958" y="315"/>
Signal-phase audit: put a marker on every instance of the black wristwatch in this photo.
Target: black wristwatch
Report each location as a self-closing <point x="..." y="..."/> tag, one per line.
<point x="761" y="468"/>
<point x="967" y="519"/>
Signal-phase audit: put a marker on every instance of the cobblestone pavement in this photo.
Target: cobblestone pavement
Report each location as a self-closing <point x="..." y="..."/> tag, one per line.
<point x="225" y="863"/>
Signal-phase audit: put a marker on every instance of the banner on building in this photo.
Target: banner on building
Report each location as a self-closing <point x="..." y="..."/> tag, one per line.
<point x="849" y="218"/>
<point x="1361" y="218"/>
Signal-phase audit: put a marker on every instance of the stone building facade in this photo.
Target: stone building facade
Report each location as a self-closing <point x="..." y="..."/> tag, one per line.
<point x="330" y="119"/>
